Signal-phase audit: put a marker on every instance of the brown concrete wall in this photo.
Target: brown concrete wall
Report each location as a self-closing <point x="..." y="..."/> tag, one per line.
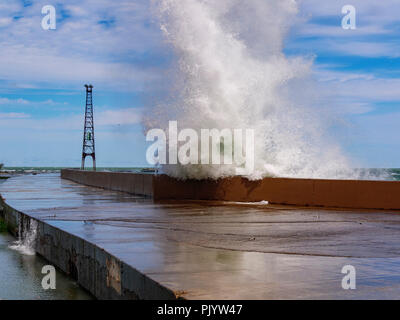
<point x="303" y="192"/>
<point x="135" y="183"/>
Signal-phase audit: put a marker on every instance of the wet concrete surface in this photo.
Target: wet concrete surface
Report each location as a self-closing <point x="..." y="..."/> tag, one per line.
<point x="216" y="250"/>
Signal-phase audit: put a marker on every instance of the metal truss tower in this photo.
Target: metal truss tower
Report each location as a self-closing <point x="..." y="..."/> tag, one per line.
<point x="88" y="132"/>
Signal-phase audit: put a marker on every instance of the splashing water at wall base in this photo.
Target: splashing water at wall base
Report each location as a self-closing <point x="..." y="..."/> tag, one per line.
<point x="27" y="231"/>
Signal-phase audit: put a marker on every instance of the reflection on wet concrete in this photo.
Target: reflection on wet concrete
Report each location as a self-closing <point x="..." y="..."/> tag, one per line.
<point x="223" y="250"/>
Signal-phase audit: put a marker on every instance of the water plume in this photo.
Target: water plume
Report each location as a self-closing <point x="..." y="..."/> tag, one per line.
<point x="231" y="72"/>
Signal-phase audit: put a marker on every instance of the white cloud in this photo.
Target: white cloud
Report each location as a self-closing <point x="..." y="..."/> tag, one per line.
<point x="80" y="48"/>
<point x="102" y="119"/>
<point x="369" y="12"/>
<point x="13" y="101"/>
<point x="348" y="107"/>
<point x="5" y="22"/>
<point x="119" y="117"/>
<point x="354" y="93"/>
<point x="14" y="115"/>
<point x="24" y="102"/>
<point x="314" y="29"/>
<point x="326" y="74"/>
<point x="374" y="20"/>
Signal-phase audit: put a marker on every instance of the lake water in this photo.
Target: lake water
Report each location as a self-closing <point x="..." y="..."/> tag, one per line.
<point x="21" y="277"/>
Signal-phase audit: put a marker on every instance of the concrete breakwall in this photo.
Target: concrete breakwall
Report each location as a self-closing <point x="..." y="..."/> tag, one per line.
<point x="357" y="194"/>
<point x="360" y="194"/>
<point x="102" y="274"/>
<point x="134" y="183"/>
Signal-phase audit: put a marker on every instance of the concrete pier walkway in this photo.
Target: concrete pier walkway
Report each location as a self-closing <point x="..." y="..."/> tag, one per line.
<point x="219" y="250"/>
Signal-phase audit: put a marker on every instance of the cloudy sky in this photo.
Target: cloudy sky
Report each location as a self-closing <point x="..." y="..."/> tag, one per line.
<point x="118" y="46"/>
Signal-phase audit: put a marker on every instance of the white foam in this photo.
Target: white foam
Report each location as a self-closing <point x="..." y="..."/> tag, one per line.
<point x="262" y="202"/>
<point x="232" y="73"/>
<point x="26" y="242"/>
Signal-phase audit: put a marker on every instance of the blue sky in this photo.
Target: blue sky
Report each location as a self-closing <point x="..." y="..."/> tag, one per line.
<point x="118" y="47"/>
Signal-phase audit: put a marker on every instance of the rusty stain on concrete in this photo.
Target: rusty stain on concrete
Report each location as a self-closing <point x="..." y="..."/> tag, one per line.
<point x="113" y="274"/>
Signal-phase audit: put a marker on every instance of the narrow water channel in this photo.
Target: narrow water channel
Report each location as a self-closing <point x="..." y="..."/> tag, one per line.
<point x="21" y="277"/>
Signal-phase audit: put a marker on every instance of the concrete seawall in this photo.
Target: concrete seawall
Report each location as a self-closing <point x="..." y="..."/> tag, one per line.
<point x="122" y="246"/>
<point x="101" y="273"/>
<point x="134" y="183"/>
<point x="360" y="194"/>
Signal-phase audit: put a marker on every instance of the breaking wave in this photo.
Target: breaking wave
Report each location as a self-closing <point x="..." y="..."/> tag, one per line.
<point x="231" y="72"/>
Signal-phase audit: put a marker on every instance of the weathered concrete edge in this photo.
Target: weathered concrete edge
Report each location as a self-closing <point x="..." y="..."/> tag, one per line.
<point x="105" y="276"/>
